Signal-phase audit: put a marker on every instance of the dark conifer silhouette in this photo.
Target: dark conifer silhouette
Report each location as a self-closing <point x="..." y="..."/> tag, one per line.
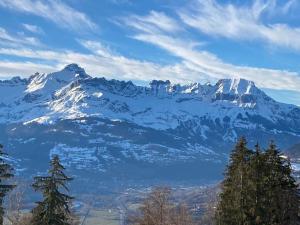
<point x="282" y="196"/>
<point x="54" y="209"/>
<point x="258" y="189"/>
<point x="6" y="172"/>
<point x="234" y="202"/>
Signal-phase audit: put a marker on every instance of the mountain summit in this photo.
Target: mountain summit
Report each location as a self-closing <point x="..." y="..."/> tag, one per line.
<point x="236" y="86"/>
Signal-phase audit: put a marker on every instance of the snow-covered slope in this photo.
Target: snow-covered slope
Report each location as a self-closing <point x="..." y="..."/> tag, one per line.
<point x="109" y="121"/>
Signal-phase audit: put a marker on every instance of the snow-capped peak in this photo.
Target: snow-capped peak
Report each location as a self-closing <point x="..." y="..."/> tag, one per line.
<point x="52" y="81"/>
<point x="70" y="73"/>
<point x="236" y="86"/>
<point x="75" y="69"/>
<point x="160" y="87"/>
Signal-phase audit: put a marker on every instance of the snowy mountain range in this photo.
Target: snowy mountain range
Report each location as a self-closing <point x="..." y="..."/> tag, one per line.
<point x="116" y="128"/>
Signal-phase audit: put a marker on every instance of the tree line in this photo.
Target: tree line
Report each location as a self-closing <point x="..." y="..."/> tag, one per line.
<point x="258" y="189"/>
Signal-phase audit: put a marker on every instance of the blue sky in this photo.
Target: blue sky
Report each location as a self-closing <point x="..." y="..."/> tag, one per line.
<point x="140" y="40"/>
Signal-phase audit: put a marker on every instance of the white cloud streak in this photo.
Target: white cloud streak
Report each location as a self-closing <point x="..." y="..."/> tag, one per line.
<point x="53" y="10"/>
<point x="196" y="66"/>
<point x="99" y="63"/>
<point x="242" y="22"/>
<point x="19" y="68"/>
<point x="9" y="39"/>
<point x="33" y="28"/>
<point x="215" y="68"/>
<point x="155" y="21"/>
<point x="206" y="63"/>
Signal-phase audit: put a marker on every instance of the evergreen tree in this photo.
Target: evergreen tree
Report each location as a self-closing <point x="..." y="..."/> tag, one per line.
<point x="258" y="189"/>
<point x="5" y="174"/>
<point x="55" y="207"/>
<point x="282" y="196"/>
<point x="257" y="186"/>
<point x="234" y="204"/>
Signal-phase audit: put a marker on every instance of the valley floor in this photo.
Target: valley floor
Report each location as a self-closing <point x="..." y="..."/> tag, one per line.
<point x="113" y="209"/>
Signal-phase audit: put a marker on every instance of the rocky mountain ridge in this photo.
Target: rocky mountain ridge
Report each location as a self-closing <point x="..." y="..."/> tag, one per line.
<point x="108" y="126"/>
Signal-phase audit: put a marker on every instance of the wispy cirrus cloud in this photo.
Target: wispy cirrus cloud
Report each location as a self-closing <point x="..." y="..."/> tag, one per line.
<point x="207" y="63"/>
<point x="53" y="10"/>
<point x="13" y="68"/>
<point x="33" y="28"/>
<point x="120" y="1"/>
<point x="195" y="66"/>
<point x="244" y="22"/>
<point x="17" y="40"/>
<point x="100" y="62"/>
<point x="153" y="22"/>
<point x="289" y="5"/>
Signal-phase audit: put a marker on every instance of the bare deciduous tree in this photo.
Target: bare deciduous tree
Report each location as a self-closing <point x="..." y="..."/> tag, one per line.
<point x="25" y="219"/>
<point x="157" y="209"/>
<point x="210" y="205"/>
<point x="15" y="205"/>
<point x="181" y="216"/>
